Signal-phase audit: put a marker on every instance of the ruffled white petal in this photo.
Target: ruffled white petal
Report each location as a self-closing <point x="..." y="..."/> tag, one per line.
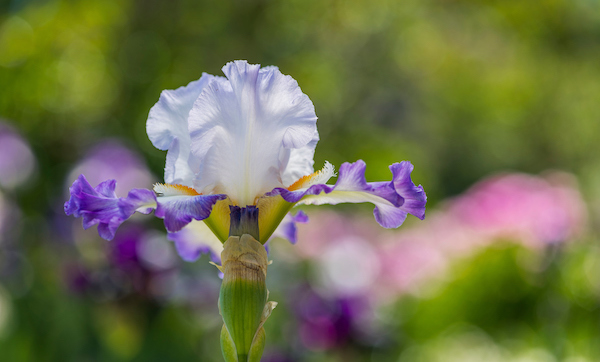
<point x="167" y="128"/>
<point x="298" y="162"/>
<point x="239" y="128"/>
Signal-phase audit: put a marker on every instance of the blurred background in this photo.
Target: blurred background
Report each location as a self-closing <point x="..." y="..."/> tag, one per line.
<point x="494" y="102"/>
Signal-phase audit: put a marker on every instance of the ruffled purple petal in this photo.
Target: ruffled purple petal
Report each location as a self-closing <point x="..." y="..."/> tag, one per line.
<point x="414" y="196"/>
<point x="178" y="211"/>
<point x="393" y="200"/>
<point x="351" y="178"/>
<point x="100" y="206"/>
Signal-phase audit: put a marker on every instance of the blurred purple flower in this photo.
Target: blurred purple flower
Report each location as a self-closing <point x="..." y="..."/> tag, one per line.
<point x="3" y="216"/>
<point x="110" y="160"/>
<point x="326" y="323"/>
<point x="134" y="259"/>
<point x="17" y="162"/>
<point x="275" y="356"/>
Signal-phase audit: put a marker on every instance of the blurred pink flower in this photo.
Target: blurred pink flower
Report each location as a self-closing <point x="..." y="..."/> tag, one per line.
<point x="329" y="228"/>
<point x="533" y="210"/>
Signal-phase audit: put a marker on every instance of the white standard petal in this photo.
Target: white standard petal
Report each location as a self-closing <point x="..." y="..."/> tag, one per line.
<point x="167" y="128"/>
<point x="239" y="128"/>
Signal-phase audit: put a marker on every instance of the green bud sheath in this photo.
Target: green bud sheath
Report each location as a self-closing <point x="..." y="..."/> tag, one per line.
<point x="243" y="297"/>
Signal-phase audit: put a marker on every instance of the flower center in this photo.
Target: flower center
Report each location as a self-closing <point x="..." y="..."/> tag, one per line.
<point x="243" y="220"/>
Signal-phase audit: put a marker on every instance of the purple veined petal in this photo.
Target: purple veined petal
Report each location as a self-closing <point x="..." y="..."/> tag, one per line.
<point x="196" y="239"/>
<point x="100" y="206"/>
<point x="178" y="205"/>
<point x="167" y="128"/>
<point x="239" y="128"/>
<point x="393" y="200"/>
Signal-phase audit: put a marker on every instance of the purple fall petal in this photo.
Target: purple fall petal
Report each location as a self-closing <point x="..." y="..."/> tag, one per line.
<point x="101" y="206"/>
<point x="399" y="197"/>
<point x="351" y="178"/>
<point x="180" y="211"/>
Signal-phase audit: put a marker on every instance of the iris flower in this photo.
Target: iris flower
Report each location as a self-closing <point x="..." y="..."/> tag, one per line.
<point x="244" y="139"/>
<point x="239" y="158"/>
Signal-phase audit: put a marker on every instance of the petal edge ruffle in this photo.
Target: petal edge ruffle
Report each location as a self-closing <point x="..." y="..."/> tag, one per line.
<point x="393" y="200"/>
<point x="100" y="206"/>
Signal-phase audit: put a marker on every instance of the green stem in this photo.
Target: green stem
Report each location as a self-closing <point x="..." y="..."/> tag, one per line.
<point x="243" y="297"/>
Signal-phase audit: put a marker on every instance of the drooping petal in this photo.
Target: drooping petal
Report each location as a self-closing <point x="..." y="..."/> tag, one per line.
<point x="288" y="229"/>
<point x="101" y="206"/>
<point x="167" y="128"/>
<point x="393" y="200"/>
<point x="178" y="205"/>
<point x="238" y="129"/>
<point x="196" y="239"/>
